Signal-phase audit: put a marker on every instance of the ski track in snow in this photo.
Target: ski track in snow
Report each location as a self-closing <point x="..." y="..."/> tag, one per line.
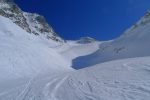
<point x="25" y="91"/>
<point x="51" y="88"/>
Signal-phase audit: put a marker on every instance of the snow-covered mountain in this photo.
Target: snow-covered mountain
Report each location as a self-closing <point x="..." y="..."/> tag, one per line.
<point x="31" y="22"/>
<point x="24" y="54"/>
<point x="40" y="67"/>
<point x="133" y="43"/>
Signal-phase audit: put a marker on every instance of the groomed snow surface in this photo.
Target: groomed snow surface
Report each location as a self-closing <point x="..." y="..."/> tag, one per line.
<point x="34" y="68"/>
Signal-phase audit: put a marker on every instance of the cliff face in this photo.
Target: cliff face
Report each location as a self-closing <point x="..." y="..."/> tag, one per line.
<point x="32" y="23"/>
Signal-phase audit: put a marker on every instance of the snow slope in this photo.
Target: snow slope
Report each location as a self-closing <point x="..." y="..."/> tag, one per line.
<point x="73" y="49"/>
<point x="24" y="59"/>
<point x="133" y="43"/>
<point x="23" y="55"/>
<point x="127" y="79"/>
<point x="30" y="64"/>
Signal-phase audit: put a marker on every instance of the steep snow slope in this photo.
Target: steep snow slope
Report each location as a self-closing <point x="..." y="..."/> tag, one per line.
<point x="25" y="55"/>
<point x="133" y="43"/>
<point x="25" y="58"/>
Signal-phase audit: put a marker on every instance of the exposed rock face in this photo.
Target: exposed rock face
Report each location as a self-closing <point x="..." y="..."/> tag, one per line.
<point x="32" y="23"/>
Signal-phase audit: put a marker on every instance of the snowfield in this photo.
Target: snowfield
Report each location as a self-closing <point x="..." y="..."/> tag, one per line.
<point x="127" y="79"/>
<point x="35" y="68"/>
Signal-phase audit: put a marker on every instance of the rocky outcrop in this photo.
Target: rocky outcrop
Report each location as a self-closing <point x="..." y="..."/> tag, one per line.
<point x="31" y="22"/>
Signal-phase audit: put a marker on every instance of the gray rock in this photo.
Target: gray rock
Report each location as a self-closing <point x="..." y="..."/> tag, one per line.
<point x="30" y="22"/>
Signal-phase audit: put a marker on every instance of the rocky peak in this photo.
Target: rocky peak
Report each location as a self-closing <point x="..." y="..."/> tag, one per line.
<point x="133" y="31"/>
<point x="31" y="22"/>
<point x="145" y="19"/>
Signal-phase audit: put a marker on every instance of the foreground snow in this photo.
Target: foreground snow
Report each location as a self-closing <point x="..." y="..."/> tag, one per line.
<point x="127" y="79"/>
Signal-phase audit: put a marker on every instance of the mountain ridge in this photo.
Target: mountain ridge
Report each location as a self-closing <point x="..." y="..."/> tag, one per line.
<point x="132" y="43"/>
<point x="31" y="22"/>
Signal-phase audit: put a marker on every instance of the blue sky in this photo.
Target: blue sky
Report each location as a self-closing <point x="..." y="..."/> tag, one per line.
<point x="100" y="19"/>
